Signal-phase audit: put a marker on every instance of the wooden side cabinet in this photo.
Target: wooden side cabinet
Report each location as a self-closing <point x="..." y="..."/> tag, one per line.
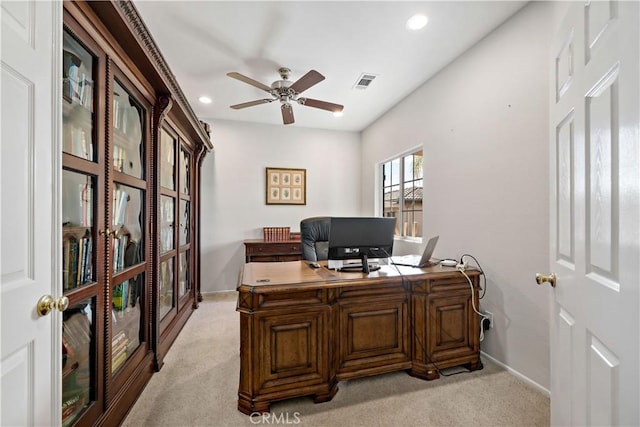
<point x="261" y="251"/>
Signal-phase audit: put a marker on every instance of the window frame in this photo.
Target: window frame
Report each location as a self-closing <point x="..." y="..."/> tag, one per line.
<point x="404" y="231"/>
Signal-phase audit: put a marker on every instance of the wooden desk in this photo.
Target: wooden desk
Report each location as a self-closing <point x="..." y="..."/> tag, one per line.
<point x="260" y="251"/>
<point x="302" y="329"/>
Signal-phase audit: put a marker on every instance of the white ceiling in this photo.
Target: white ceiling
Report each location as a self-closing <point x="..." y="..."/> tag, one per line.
<point x="204" y="40"/>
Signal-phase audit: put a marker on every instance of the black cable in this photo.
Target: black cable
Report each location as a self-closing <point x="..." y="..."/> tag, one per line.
<point x="416" y="337"/>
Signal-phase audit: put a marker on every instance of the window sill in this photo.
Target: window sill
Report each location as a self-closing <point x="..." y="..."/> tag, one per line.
<point x="408" y="239"/>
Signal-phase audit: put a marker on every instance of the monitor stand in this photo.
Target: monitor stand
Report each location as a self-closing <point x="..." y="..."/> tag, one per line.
<point x="365" y="267"/>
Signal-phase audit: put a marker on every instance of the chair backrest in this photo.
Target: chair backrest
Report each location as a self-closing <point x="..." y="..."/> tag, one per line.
<point x="314" y="236"/>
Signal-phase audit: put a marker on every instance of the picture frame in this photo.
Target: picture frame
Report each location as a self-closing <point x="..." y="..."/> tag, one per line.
<point x="286" y="186"/>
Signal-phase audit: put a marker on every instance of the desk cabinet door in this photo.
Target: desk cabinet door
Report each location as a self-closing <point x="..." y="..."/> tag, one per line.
<point x="292" y="348"/>
<point x="452" y="326"/>
<point x="373" y="336"/>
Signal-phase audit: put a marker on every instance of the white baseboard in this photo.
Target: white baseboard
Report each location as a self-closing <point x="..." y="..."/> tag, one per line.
<point x="220" y="295"/>
<point x="518" y="374"/>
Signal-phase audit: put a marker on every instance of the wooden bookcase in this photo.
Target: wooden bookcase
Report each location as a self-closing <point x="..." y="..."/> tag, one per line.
<point x="132" y="151"/>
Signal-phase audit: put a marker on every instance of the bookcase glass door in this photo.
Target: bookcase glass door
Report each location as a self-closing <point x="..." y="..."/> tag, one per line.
<point x="166" y="286"/>
<point x="184" y="222"/>
<point x="184" y="268"/>
<point x="126" y="320"/>
<point x="79" y="248"/>
<point x="185" y="168"/>
<point x="128" y="219"/>
<point x="77" y="360"/>
<point x="167" y="160"/>
<point x="78" y="98"/>
<point x="77" y="238"/>
<point x="128" y="125"/>
<point x="168" y="221"/>
<point x="184" y="283"/>
<point x="128" y="226"/>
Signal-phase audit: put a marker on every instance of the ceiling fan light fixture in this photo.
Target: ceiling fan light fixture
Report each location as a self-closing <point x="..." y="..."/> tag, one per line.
<point x="287" y="92"/>
<point x="417" y="22"/>
<point x="205" y="99"/>
<point x="337" y="114"/>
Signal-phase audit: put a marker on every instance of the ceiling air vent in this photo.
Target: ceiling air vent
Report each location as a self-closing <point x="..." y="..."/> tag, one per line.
<point x="364" y="80"/>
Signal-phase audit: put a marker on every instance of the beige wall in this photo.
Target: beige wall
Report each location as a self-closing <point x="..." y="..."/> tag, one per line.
<point x="233" y="187"/>
<point x="482" y="122"/>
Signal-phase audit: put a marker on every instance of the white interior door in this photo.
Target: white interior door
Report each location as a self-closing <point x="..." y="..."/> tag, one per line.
<point x="595" y="236"/>
<point x="30" y="361"/>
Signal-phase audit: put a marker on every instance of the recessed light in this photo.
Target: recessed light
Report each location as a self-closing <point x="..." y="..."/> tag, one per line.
<point x="337" y="114"/>
<point x="205" y="100"/>
<point x="417" y="22"/>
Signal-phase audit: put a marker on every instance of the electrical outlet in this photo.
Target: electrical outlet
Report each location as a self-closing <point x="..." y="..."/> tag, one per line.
<point x="490" y="317"/>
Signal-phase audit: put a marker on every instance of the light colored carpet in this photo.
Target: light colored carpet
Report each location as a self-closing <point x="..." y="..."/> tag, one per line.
<point x="198" y="386"/>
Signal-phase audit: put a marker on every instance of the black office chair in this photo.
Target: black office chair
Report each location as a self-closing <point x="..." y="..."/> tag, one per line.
<point x="314" y="235"/>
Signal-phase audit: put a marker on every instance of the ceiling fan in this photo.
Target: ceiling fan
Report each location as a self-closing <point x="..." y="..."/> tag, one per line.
<point x="287" y="92"/>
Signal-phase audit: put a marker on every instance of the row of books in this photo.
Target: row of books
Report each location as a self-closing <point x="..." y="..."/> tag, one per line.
<point x="77" y="87"/>
<point x="119" y="251"/>
<point x="76" y="141"/>
<point x="275" y="234"/>
<point x="124" y="295"/>
<point x="77" y="263"/>
<point x="119" y="346"/>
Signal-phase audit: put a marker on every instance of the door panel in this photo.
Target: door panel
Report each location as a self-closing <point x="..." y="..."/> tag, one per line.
<point x="595" y="236"/>
<point x="30" y="344"/>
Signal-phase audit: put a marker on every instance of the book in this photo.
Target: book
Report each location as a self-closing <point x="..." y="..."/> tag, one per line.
<point x="87" y="266"/>
<point x="86" y="206"/>
<point x="118" y="361"/>
<point x="120" y="294"/>
<point x="119" y="348"/>
<point x="73" y="264"/>
<point x="120" y="206"/>
<point x="80" y="260"/>
<point x="66" y="262"/>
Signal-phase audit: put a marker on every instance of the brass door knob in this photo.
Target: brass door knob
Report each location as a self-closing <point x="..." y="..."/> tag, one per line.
<point x="108" y="232"/>
<point x="46" y="303"/>
<point x="550" y="279"/>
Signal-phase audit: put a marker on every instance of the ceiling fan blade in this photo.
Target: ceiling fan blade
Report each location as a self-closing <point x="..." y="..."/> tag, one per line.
<point x="287" y="114"/>
<point x="249" y="80"/>
<point x="305" y="82"/>
<point x="323" y="105"/>
<point x="251" y="103"/>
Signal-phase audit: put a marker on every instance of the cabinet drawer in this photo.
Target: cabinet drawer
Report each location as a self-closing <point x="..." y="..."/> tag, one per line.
<point x="273" y="248"/>
<point x="261" y="251"/>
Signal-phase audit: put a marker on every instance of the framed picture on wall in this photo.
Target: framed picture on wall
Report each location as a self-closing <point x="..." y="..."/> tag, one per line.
<point x="286" y="186"/>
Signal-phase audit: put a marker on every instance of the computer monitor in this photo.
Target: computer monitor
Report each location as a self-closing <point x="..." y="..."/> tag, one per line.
<point x="361" y="238"/>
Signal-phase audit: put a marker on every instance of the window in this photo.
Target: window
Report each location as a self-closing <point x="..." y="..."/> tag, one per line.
<point x="402" y="193"/>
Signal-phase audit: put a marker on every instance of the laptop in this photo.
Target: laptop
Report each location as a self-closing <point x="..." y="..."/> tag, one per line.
<point x="417" y="260"/>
